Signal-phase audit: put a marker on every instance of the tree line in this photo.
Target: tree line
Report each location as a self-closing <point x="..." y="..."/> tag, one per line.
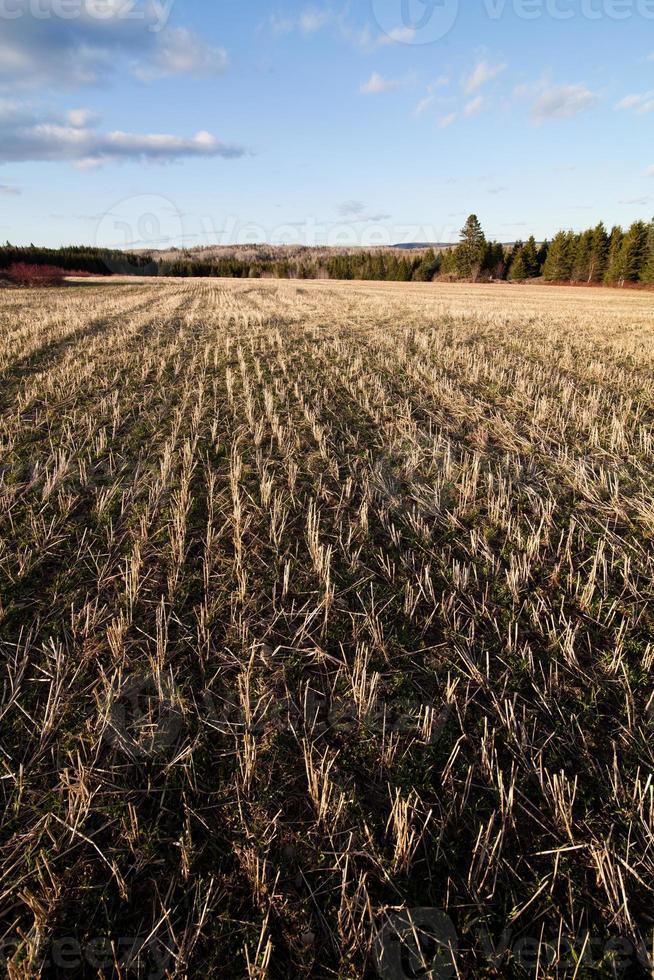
<point x="78" y="258"/>
<point x="594" y="256"/>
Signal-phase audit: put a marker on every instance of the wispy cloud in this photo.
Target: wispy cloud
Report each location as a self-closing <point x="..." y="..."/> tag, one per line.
<point x="563" y="102"/>
<point x="474" y="107"/>
<point x="650" y="171"/>
<point x="9" y="190"/>
<point x="309" y="21"/>
<point x="27" y="134"/>
<point x="313" y="20"/>
<point x="445" y="121"/>
<point x="482" y="74"/>
<point x="180" y="52"/>
<point x="401" y="35"/>
<point x="377" y="84"/>
<point x="423" y="105"/>
<point x="356" y="211"/>
<point x="641" y="104"/>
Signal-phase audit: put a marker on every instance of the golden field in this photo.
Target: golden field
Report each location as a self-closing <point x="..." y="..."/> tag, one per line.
<point x="322" y="605"/>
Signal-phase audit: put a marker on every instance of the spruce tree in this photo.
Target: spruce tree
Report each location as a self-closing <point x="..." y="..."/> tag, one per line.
<point x="427" y="268"/>
<point x="598" y="254"/>
<point x="470" y="253"/>
<point x="558" y="265"/>
<point x="583" y="257"/>
<point x="632" y="258"/>
<point x="530" y="258"/>
<point x="449" y="264"/>
<point x="542" y="256"/>
<point x="495" y="260"/>
<point x="647" y="275"/>
<point x="612" y="273"/>
<point x="518" y="270"/>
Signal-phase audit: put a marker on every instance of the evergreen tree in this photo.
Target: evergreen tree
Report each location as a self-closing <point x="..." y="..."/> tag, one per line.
<point x="449" y="262"/>
<point x="633" y="254"/>
<point x="470" y="252"/>
<point x="518" y="271"/>
<point x="427" y="268"/>
<point x="530" y="259"/>
<point x="558" y="265"/>
<point x="583" y="254"/>
<point x="512" y="257"/>
<point x="647" y="275"/>
<point x="613" y="257"/>
<point x="598" y="254"/>
<point x="495" y="260"/>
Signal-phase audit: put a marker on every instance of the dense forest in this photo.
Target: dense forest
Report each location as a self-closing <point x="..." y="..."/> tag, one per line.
<point x="79" y="258"/>
<point x="594" y="256"/>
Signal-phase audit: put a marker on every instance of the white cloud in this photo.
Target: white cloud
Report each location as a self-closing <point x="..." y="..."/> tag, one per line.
<point x="563" y="102"/>
<point x="314" y="20"/>
<point x="9" y="190"/>
<point x="423" y="105"/>
<point x="401" y="35"/>
<point x="641" y="104"/>
<point x="474" y="107"/>
<point x="629" y="102"/>
<point x="30" y="135"/>
<point x="308" y="21"/>
<point x="36" y="52"/>
<point x="81" y="118"/>
<point x="650" y="171"/>
<point x="483" y="73"/>
<point x="180" y="52"/>
<point x="280" y="25"/>
<point x="446" y="121"/>
<point x="377" y="84"/>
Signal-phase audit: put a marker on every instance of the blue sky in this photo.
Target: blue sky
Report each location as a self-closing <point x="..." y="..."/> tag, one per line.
<point x="187" y="122"/>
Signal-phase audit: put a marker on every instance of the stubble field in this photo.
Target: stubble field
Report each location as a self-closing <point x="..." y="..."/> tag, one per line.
<point x="326" y="631"/>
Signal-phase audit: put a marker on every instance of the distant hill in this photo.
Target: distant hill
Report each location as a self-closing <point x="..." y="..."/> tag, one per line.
<point x="423" y="245"/>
